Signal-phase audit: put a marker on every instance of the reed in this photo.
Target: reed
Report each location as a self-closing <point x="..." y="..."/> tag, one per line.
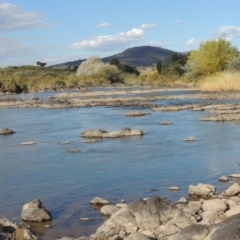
<point x="222" y="81"/>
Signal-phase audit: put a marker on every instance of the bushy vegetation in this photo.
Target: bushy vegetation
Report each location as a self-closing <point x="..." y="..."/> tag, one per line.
<point x="215" y="65"/>
<point x="212" y="56"/>
<point x="95" y="68"/>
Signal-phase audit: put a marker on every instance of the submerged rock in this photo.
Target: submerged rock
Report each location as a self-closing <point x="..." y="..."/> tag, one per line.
<point x="27" y="143"/>
<point x="35" y="211"/>
<point x="174" y="188"/>
<point x="223" y="179"/>
<point x="136" y="114"/>
<point x="165" y="123"/>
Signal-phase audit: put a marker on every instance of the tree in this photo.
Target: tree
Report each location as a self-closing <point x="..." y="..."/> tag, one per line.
<point x="125" y="68"/>
<point x="234" y="65"/>
<point x="159" y="66"/>
<point x="41" y="64"/>
<point x="94" y="65"/>
<point x="212" y="56"/>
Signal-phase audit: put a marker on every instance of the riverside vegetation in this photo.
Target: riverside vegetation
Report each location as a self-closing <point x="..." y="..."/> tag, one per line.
<point x="215" y="66"/>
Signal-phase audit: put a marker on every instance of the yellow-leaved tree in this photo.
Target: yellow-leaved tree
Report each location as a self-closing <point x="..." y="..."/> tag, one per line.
<point x="211" y="57"/>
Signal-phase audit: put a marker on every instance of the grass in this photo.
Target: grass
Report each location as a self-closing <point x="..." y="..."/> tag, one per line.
<point x="222" y="81"/>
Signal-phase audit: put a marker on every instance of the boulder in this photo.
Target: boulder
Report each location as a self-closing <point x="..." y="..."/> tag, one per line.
<point x="108" y="210"/>
<point x="232" y="211"/>
<point x="167" y="230"/>
<point x="227" y="229"/>
<point x="233" y="190"/>
<point x="125" y="132"/>
<point x="192" y="232"/>
<point x="201" y="189"/>
<point x="35" y="211"/>
<point x="235" y="175"/>
<point x="191" y="138"/>
<point x="174" y="188"/>
<point x="195" y="205"/>
<point x="209" y="217"/>
<point x="6" y="131"/>
<point x="223" y="179"/>
<point x="137" y="236"/>
<point x="182" y="200"/>
<point x="99" y="201"/>
<point x="214" y="205"/>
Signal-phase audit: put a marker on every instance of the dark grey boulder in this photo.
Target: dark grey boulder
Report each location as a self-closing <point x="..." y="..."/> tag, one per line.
<point x="228" y="229"/>
<point x="192" y="232"/>
<point x="35" y="211"/>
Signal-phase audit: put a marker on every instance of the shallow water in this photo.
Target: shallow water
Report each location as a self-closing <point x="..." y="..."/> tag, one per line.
<point x="115" y="169"/>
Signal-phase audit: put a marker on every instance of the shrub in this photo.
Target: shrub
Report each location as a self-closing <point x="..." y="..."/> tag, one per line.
<point x="234" y="65"/>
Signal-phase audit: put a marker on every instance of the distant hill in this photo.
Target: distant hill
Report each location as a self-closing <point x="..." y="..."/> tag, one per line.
<point x="137" y="56"/>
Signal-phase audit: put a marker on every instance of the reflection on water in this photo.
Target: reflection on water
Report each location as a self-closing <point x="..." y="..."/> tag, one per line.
<point x="114" y="169"/>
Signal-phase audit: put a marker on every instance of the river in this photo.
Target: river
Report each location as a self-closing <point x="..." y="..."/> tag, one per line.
<point x="114" y="169"/>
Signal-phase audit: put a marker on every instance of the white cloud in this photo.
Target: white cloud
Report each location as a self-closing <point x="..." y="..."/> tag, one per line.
<point x="178" y="21"/>
<point x="190" y="41"/>
<point x="104" y="25"/>
<point x="147" y="26"/>
<point x="110" y="42"/>
<point x="13" y="18"/>
<point x="161" y="44"/>
<point x="227" y="32"/>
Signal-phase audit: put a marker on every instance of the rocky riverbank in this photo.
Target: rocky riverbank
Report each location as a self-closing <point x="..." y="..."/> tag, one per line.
<point x="205" y="215"/>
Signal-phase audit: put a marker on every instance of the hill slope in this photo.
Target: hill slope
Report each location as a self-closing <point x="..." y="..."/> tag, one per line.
<point x="137" y="56"/>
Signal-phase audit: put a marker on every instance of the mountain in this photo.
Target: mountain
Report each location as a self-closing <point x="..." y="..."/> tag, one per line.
<point x="143" y="56"/>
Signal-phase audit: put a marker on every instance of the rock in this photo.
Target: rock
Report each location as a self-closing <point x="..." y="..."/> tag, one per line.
<point x="136" y="114"/>
<point x="63" y="143"/>
<point x="223" y="179"/>
<point x="6" y="131"/>
<point x="167" y="230"/>
<point x="86" y="219"/>
<point x="123" y="200"/>
<point x="174" y="188"/>
<point x="108" y="210"/>
<point x="73" y="151"/>
<point x="27" y="143"/>
<point x="209" y="217"/>
<point x="125" y="132"/>
<point x="233" y="190"/>
<point x="165" y="123"/>
<point x="182" y="200"/>
<point x="236" y="175"/>
<point x="227" y="229"/>
<point x="232" y="211"/>
<point x="214" y="205"/>
<point x="121" y="205"/>
<point x="189" y="139"/>
<point x="29" y="235"/>
<point x="91" y="141"/>
<point x="201" y="189"/>
<point x="192" y="232"/>
<point x="195" y="205"/>
<point x="137" y="236"/>
<point x="99" y="201"/>
<point x="35" y="211"/>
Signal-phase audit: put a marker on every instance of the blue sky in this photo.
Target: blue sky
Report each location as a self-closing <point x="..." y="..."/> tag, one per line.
<point x="56" y="31"/>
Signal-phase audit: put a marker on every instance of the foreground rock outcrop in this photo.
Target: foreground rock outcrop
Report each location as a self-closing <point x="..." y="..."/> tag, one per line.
<point x="124" y="132"/>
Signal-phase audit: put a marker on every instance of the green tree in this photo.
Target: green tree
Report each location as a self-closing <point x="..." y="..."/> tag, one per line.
<point x="159" y="66"/>
<point x="234" y="65"/>
<point x="212" y="56"/>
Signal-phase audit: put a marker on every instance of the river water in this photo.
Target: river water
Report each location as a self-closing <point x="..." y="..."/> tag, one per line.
<point x="114" y="169"/>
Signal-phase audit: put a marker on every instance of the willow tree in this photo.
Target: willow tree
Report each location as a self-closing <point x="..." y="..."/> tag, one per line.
<point x="212" y="56"/>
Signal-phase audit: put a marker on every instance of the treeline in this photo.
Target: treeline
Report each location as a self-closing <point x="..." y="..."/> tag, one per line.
<point x="198" y="67"/>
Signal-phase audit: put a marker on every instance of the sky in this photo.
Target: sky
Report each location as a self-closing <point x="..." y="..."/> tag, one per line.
<point x="57" y="31"/>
